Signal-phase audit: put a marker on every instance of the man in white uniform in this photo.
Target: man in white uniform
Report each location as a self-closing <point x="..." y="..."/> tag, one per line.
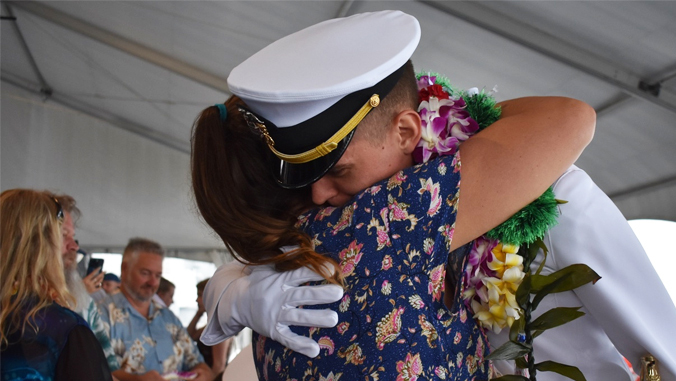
<point x="628" y="311"/>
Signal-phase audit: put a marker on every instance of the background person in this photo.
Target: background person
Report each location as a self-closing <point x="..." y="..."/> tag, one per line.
<point x="85" y="305"/>
<point x="215" y="356"/>
<point x="165" y="293"/>
<point x="40" y="337"/>
<point x="148" y="339"/>
<point x="111" y="284"/>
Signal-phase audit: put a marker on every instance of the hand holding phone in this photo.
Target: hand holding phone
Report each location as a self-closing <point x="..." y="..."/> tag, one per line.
<point x="94" y="278"/>
<point x="95" y="263"/>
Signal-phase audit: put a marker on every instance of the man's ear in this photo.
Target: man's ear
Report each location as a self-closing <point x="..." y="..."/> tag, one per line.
<point x="409" y="130"/>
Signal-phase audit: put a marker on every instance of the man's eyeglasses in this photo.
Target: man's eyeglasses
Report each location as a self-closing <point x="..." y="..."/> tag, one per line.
<point x="59" y="210"/>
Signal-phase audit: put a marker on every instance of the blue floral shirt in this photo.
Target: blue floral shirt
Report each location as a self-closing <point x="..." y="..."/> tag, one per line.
<point x="158" y="343"/>
<point x="393" y="244"/>
<point x="91" y="315"/>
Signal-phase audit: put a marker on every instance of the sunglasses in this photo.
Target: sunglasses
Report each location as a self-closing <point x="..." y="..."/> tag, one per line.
<point x="59" y="210"/>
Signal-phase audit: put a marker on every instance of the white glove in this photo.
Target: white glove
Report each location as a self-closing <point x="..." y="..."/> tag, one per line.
<point x="265" y="300"/>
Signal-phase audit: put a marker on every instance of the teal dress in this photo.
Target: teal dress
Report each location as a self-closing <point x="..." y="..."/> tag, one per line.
<point x="393" y="244"/>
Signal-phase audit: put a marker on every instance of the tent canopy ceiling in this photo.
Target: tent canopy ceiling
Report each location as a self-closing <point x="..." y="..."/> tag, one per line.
<point x="98" y="98"/>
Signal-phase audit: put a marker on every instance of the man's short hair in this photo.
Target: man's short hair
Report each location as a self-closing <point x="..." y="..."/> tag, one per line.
<point x="404" y="95"/>
<point x="141" y="245"/>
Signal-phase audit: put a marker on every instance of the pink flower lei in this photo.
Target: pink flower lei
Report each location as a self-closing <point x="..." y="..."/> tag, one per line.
<point x="445" y="122"/>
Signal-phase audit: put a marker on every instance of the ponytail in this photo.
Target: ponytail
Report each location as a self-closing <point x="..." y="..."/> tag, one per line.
<point x="238" y="197"/>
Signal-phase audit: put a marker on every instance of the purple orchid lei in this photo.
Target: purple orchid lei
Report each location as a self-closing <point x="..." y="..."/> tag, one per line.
<point x="494" y="270"/>
<point x="445" y="122"/>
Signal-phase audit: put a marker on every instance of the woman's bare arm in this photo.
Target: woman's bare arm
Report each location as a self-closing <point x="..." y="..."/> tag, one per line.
<point x="511" y="163"/>
<point x="220" y="356"/>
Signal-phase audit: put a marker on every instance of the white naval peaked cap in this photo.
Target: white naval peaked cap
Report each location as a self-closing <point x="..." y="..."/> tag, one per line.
<point x="306" y="87"/>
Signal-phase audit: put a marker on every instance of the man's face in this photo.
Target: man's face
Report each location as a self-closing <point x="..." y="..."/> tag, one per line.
<point x="70" y="247"/>
<point x="110" y="286"/>
<point x="141" y="278"/>
<point x="362" y="165"/>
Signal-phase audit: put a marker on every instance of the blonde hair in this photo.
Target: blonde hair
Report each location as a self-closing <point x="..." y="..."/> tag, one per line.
<point x="32" y="269"/>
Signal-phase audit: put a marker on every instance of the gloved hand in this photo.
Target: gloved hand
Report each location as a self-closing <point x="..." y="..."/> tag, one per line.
<point x="265" y="300"/>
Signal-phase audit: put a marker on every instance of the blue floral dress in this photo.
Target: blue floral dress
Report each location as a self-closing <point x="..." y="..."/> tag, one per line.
<point x="393" y="244"/>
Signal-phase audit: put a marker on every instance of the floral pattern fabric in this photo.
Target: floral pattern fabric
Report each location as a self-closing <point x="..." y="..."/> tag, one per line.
<point x="158" y="343"/>
<point x="91" y="315"/>
<point x="393" y="244"/>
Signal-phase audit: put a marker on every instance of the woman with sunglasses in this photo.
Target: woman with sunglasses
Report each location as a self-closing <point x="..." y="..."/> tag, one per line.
<point x="40" y="339"/>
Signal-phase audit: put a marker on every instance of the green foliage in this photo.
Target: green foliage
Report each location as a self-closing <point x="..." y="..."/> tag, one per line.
<point x="523" y="292"/>
<point x="548" y="289"/>
<point x="517" y="328"/>
<point x="521" y="363"/>
<point x="482" y="108"/>
<point x="562" y="369"/>
<point x="575" y="276"/>
<point x="517" y="348"/>
<point x="530" y="223"/>
<point x="538" y="244"/>
<point x="509" y="351"/>
<point x="510" y="377"/>
<point x="556" y="317"/>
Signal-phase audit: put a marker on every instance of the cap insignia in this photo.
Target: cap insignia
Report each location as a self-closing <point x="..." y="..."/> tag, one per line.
<point x="257" y="124"/>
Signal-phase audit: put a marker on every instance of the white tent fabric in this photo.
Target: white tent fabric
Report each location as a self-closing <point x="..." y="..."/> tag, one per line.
<point x="106" y="116"/>
<point x="126" y="187"/>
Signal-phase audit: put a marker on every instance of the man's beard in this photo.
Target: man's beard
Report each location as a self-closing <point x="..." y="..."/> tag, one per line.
<point x="136" y="295"/>
<point x="77" y="289"/>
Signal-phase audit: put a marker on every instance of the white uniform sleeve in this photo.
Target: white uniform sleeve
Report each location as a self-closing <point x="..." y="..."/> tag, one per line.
<point x="628" y="310"/>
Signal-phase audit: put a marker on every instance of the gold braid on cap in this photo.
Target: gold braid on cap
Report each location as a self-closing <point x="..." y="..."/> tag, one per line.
<point x="324" y="148"/>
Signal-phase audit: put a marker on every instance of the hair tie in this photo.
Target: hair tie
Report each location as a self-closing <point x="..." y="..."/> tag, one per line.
<point x="223" y="111"/>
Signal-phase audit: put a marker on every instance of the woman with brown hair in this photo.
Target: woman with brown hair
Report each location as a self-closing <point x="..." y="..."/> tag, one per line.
<point x="239" y="198"/>
<point x="41" y="338"/>
<point x="391" y="226"/>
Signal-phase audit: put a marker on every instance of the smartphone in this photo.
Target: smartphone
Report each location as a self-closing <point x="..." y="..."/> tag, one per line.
<point x="95" y="263"/>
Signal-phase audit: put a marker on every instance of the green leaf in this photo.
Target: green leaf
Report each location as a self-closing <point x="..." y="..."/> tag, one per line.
<point x="556" y="317"/>
<point x="580" y="274"/>
<point x="510" y="377"/>
<point x="529" y="253"/>
<point x="509" y="351"/>
<point x="517" y="327"/>
<point x="521" y="363"/>
<point x="523" y="292"/>
<point x="540" y="244"/>
<point x="562" y="369"/>
<point x="561" y="201"/>
<point x="535" y="334"/>
<point x="548" y="289"/>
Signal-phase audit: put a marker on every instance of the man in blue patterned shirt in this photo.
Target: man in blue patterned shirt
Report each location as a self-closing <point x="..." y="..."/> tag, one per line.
<point x="149" y="340"/>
